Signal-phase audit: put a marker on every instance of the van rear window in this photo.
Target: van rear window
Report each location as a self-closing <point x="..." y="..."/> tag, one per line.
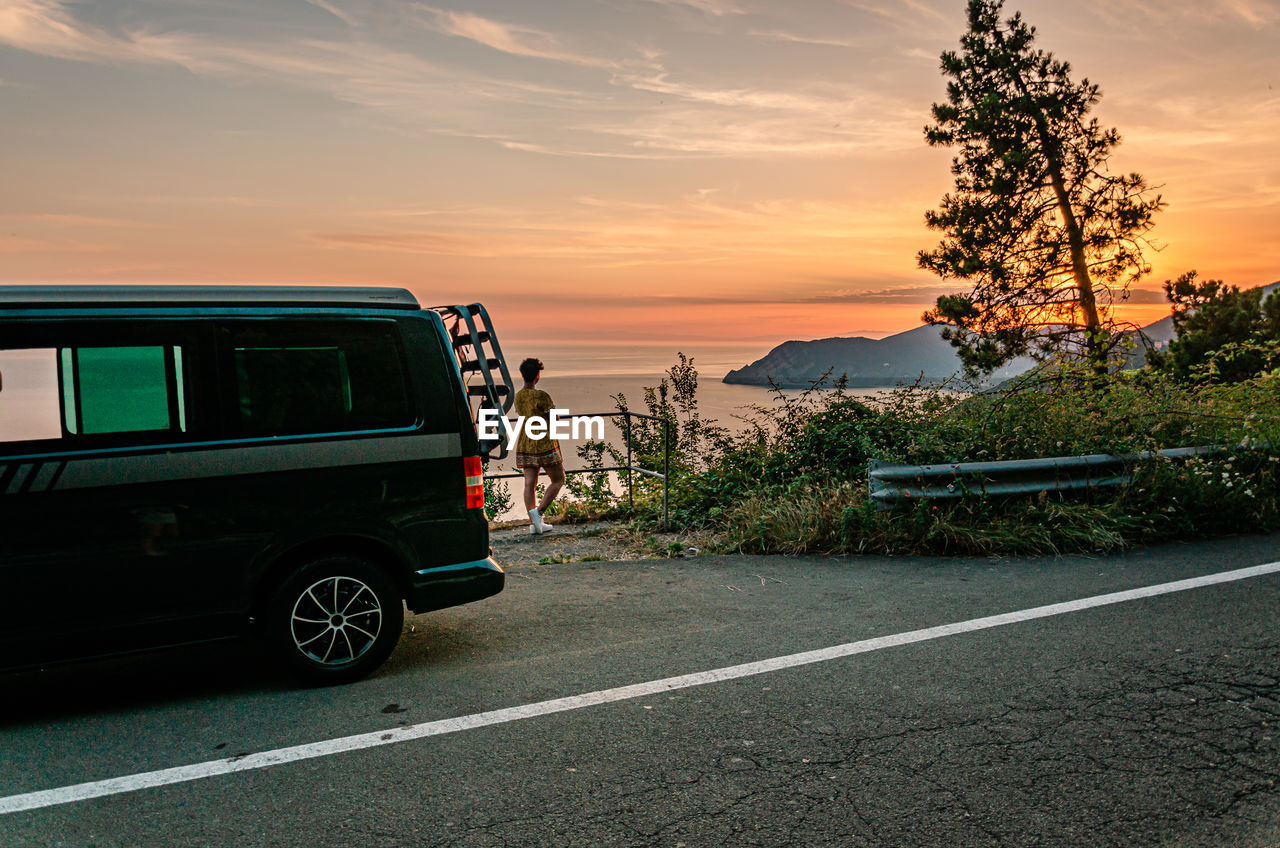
<point x="307" y="379"/>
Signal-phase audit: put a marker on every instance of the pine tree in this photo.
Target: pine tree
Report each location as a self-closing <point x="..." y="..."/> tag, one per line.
<point x="1045" y="235"/>
<point x="1225" y="335"/>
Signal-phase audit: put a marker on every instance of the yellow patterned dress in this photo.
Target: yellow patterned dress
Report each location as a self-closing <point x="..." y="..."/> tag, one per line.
<point x="536" y="453"/>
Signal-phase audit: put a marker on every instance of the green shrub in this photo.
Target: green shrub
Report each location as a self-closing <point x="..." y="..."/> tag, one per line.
<point x="796" y="481"/>
<point x="497" y="498"/>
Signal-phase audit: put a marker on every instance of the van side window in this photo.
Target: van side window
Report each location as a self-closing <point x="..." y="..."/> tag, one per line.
<point x="122" y="389"/>
<point x="29" y="395"/>
<point x="326" y="379"/>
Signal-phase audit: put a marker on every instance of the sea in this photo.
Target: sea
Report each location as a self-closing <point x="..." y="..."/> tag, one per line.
<point x="586" y="378"/>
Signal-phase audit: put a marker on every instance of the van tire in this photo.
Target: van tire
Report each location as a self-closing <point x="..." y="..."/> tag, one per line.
<point x="334" y="620"/>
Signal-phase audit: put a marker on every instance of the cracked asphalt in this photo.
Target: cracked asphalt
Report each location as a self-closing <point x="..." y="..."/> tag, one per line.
<point x="1149" y="723"/>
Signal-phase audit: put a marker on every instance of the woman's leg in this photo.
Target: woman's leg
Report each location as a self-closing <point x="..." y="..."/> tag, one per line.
<point x="530" y="488"/>
<point x="556" y="475"/>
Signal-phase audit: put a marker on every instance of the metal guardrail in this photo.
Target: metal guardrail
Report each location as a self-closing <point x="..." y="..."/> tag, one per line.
<point x="893" y="485"/>
<point x="630" y="467"/>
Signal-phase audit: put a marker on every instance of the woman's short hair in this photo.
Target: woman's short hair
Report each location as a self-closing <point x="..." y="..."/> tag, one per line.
<point x="529" y="369"/>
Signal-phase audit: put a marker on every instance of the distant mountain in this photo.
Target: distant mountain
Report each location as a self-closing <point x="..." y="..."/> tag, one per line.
<point x="901" y="358"/>
<point x="1154" y="336"/>
<point x="893" y="360"/>
<point x="1158" y="334"/>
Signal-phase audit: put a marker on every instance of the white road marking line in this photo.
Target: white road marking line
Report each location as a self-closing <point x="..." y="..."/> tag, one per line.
<point x="213" y="768"/>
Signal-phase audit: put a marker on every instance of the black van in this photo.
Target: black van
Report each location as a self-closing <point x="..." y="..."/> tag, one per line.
<point x="181" y="464"/>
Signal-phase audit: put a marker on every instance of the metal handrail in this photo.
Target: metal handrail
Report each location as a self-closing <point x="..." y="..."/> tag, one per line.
<point x="664" y="476"/>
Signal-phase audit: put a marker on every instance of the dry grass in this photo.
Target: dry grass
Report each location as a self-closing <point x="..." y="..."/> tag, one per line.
<point x="808" y="520"/>
<point x="839" y="519"/>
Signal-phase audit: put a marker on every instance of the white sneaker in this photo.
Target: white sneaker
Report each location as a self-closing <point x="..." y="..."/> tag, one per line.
<point x="536" y="524"/>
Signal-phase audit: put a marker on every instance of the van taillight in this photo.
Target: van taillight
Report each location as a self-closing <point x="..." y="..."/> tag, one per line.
<point x="475" y="482"/>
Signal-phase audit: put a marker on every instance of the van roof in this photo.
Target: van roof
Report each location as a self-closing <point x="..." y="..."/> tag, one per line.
<point x="76" y="297"/>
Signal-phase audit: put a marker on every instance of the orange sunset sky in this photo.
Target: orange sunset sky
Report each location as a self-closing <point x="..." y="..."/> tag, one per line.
<point x="596" y="170"/>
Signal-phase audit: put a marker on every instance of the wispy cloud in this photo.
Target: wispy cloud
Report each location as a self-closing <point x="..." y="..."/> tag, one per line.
<point x="360" y="69"/>
<point x="811" y="119"/>
<point x="1255" y="12"/>
<point x="903" y="295"/>
<point x="72" y="220"/>
<point x="339" y="13"/>
<point x="715" y="8"/>
<point x="698" y="132"/>
<point x="752" y="98"/>
<point x="1181" y="141"/>
<point x="599" y="232"/>
<point x="408" y="242"/>
<point x="22" y="244"/>
<point x="607" y="113"/>
<point x="401" y="86"/>
<point x="575" y="152"/>
<point x="235" y="200"/>
<point x="507" y="38"/>
<point x="48" y="28"/>
<point x="17" y="244"/>
<point x="910" y="15"/>
<point x="345" y="68"/>
<point x="795" y="38"/>
<point x="894" y="9"/>
<point x="1148" y="21"/>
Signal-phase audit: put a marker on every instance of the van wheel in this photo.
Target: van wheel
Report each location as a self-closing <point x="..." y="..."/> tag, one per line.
<point x="334" y="620"/>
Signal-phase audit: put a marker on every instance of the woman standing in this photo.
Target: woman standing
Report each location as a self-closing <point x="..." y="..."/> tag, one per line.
<point x="532" y="455"/>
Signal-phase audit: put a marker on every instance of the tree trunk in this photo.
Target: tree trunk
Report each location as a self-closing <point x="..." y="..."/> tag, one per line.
<point x="1079" y="266"/>
<point x="1095" y="350"/>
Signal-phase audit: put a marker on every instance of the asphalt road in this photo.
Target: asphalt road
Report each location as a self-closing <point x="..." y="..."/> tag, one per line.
<point x="1149" y="722"/>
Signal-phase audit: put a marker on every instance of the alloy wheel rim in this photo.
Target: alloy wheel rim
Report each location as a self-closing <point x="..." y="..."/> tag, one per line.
<point x="336" y="620"/>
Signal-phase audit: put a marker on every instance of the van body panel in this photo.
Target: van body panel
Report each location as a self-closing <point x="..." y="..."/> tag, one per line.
<point x="295" y="418"/>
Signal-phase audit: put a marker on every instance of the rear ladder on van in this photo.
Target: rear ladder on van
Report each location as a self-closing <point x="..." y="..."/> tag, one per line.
<point x="483" y="367"/>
